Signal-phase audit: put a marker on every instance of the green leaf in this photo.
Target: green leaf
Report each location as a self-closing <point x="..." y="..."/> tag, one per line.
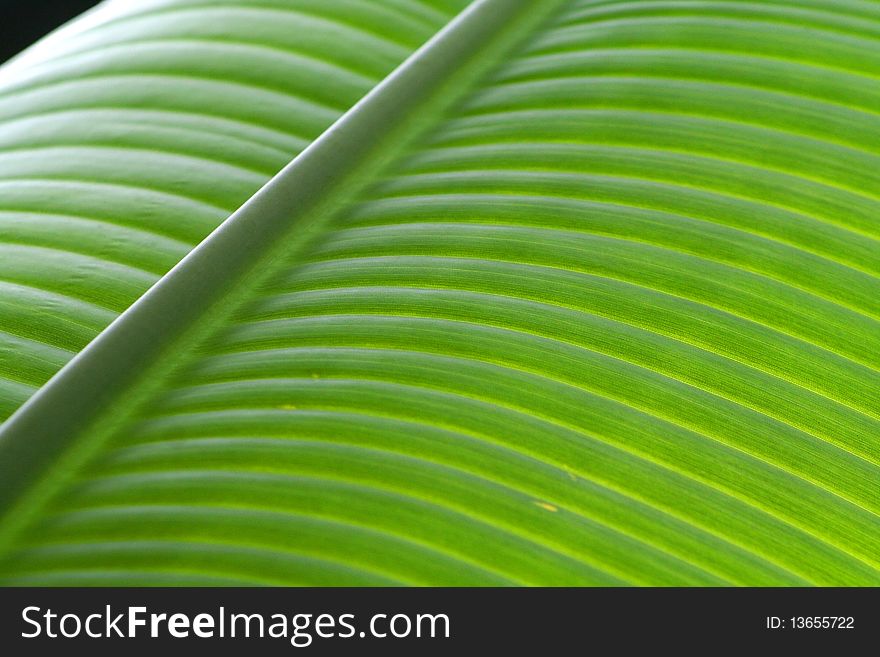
<point x="132" y="133"/>
<point x="583" y="293"/>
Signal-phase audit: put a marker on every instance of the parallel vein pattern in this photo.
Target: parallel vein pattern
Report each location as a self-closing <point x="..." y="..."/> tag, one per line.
<point x="613" y="320"/>
<point x="123" y="144"/>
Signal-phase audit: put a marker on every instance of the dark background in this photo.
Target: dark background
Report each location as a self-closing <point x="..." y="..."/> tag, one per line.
<point x="24" y="21"/>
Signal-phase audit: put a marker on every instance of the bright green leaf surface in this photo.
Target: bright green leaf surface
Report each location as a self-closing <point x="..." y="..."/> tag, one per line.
<point x="585" y="293"/>
<point x="131" y="134"/>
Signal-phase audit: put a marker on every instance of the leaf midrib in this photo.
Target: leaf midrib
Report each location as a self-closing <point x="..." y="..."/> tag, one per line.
<point x="62" y="426"/>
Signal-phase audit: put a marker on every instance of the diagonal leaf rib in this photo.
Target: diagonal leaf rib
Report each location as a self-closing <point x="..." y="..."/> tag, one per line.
<point x="39" y="443"/>
<point x="592" y="298"/>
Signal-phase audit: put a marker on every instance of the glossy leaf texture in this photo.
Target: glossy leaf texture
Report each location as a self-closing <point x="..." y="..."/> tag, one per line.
<point x="597" y="304"/>
<point x="132" y="133"/>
